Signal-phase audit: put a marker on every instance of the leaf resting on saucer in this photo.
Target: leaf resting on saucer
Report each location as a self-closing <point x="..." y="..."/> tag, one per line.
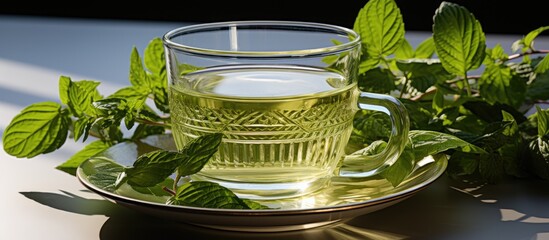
<point x="208" y="195"/>
<point x="420" y="145"/>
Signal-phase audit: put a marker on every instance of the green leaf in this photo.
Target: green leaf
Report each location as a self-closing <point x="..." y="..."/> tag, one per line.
<point x="425" y="49"/>
<point x="422" y="144"/>
<point x="371" y="126"/>
<point x="81" y="95"/>
<point x="87" y="152"/>
<point x="424" y="73"/>
<point x="543" y="65"/>
<point x="539" y="157"/>
<point x="438" y="101"/>
<point x="495" y="135"/>
<point x="497" y="53"/>
<point x="459" y="40"/>
<point x="405" y="50"/>
<point x="82" y="127"/>
<point x="110" y="107"/>
<point x="543" y="122"/>
<point x="102" y="172"/>
<point x="380" y="25"/>
<point x="368" y="64"/>
<point x="64" y="85"/>
<point x="138" y="76"/>
<point x="425" y="143"/>
<point x="402" y="168"/>
<point x="528" y="40"/>
<point x="154" y="56"/>
<point x="254" y="205"/>
<point x="538" y="89"/>
<point x="512" y="129"/>
<point x="161" y="98"/>
<point x="156" y="190"/>
<point x="491" y="168"/>
<point x="461" y="164"/>
<point x="198" y="152"/>
<point x="421" y="115"/>
<point x="144" y="130"/>
<point x="498" y="84"/>
<point x="490" y="112"/>
<point x="377" y="80"/>
<point x="152" y="168"/>
<point x="39" y="128"/>
<point x="512" y="156"/>
<point x="206" y="195"/>
<point x="132" y="92"/>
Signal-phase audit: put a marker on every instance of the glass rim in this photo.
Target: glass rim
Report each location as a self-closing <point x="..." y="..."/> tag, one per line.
<point x="353" y="41"/>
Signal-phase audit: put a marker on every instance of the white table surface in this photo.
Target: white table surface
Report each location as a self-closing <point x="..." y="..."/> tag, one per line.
<point x="39" y="202"/>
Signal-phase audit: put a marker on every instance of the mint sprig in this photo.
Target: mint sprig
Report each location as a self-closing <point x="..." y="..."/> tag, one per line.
<point x="453" y="84"/>
<point x="157" y="174"/>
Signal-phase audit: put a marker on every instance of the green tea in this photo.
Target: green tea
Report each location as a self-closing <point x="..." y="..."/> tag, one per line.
<point x="284" y="127"/>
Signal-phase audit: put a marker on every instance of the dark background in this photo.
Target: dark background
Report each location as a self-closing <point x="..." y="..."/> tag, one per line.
<point x="505" y="17"/>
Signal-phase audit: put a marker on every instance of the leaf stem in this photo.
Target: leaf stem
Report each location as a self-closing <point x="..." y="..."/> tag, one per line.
<point x="169" y="190"/>
<point x="176" y="180"/>
<point x="148" y="122"/>
<point x="518" y="55"/>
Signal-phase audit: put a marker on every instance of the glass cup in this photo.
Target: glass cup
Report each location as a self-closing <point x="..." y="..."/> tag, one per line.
<point x="284" y="95"/>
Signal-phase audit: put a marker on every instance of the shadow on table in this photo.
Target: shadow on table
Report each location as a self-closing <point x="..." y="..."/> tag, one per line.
<point x="446" y="210"/>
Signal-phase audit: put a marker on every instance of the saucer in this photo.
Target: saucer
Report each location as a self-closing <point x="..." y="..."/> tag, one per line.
<point x="343" y="199"/>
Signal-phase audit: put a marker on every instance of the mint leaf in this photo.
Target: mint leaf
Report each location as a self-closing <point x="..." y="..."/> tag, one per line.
<point x="144" y="130"/>
<point x="131" y="92"/>
<point x="371" y="126"/>
<point x="527" y="42"/>
<point x="87" y="152"/>
<point x="491" y="167"/>
<point x="198" y="152"/>
<point x="425" y="143"/>
<point x="422" y="144"/>
<point x="81" y="95"/>
<point x="206" y="195"/>
<point x="377" y="80"/>
<point x="539" y="88"/>
<point x="543" y="65"/>
<point x="154" y="56"/>
<point x="39" y="128"/>
<point x="254" y="205"/>
<point x="156" y="190"/>
<point x="496" y="53"/>
<point x="459" y="40"/>
<point x="82" y="127"/>
<point x="381" y="27"/>
<point x="438" y="101"/>
<point x="543" y="122"/>
<point x="425" y="49"/>
<point x="402" y="168"/>
<point x="462" y="164"/>
<point x="152" y="168"/>
<point x="539" y="157"/>
<point x="499" y="84"/>
<point x="155" y="62"/>
<point x="424" y="73"/>
<point x="102" y="172"/>
<point x="405" y="50"/>
<point x="138" y="76"/>
<point x="64" y="85"/>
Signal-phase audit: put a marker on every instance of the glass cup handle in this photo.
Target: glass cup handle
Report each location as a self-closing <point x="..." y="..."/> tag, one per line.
<point x="357" y="165"/>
